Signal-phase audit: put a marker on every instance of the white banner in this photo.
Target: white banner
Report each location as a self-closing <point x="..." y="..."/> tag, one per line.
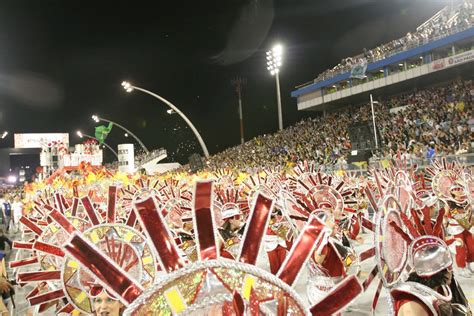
<point x="39" y="140"/>
<point x="399" y="108"/>
<point x="126" y="158"/>
<point x="461" y="58"/>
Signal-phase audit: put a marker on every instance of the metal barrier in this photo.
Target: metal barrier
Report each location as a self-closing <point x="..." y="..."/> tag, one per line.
<point x="463" y="159"/>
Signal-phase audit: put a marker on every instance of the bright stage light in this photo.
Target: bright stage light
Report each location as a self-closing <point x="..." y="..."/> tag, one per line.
<point x="11" y="179"/>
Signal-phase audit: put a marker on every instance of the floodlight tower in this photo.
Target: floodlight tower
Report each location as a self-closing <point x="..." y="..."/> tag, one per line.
<point x="274" y="62"/>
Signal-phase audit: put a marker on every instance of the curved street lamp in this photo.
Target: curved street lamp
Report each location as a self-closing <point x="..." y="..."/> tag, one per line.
<point x="129" y="88"/>
<point x="82" y="135"/>
<point x="97" y="119"/>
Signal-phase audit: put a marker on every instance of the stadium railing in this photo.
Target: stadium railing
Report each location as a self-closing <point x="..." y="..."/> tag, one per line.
<point x="361" y="168"/>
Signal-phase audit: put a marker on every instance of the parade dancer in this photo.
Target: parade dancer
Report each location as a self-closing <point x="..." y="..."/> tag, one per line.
<point x="460" y="221"/>
<point x="231" y="230"/>
<point x="430" y="289"/>
<point x="277" y="241"/>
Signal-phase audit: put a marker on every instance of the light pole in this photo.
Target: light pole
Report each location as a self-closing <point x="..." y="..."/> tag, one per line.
<point x="129" y="88"/>
<point x="82" y="135"/>
<point x="372" y="102"/>
<point x="238" y="83"/>
<point x="97" y="119"/>
<point x="274" y="57"/>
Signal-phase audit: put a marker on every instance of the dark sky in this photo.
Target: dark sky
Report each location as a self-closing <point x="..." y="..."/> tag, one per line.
<point x="62" y="61"/>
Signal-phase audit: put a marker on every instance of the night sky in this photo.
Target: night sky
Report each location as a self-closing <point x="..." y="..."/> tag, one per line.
<point x="62" y="61"/>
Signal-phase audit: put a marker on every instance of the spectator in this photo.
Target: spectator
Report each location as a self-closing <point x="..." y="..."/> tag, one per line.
<point x="6" y="213"/>
<point x="430" y="153"/>
<point x="17" y="211"/>
<point x="4" y="240"/>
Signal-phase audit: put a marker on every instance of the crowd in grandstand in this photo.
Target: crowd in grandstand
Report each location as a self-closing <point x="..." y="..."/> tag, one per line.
<point x="421" y="124"/>
<point x="445" y="23"/>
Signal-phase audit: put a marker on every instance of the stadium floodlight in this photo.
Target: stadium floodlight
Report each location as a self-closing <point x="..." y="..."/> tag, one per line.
<point x="5" y="133"/>
<point x="127" y="86"/>
<point x="274" y="62"/>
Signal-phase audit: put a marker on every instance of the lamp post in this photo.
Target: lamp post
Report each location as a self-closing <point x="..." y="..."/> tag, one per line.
<point x="97" y="119"/>
<point x="238" y="83"/>
<point x="372" y="102"/>
<point x="129" y="88"/>
<point x="82" y="135"/>
<point x="274" y="57"/>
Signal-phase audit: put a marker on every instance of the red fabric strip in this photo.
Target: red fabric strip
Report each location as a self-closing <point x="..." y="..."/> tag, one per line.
<point x="37" y="209"/>
<point x="90" y="210"/>
<point x="204" y="221"/>
<point x="416" y="219"/>
<point x="66" y="309"/>
<point x="75" y="205"/>
<point x="369" y="253"/>
<point x="238" y="304"/>
<point x="23" y="262"/>
<point x="35" y="291"/>
<point x="400" y="231"/>
<point x="132" y="219"/>
<point x="111" y="204"/>
<point x="103" y="268"/>
<point x="22" y="245"/>
<point x="62" y="221"/>
<point x="427" y="221"/>
<point x="47" y="248"/>
<point x="32" y="226"/>
<point x="368" y="224"/>
<point x="310" y="237"/>
<point x="59" y="202"/>
<point x="376" y="297"/>
<point x="411" y="228"/>
<point x="46" y="297"/>
<point x="65" y="203"/>
<point x="38" y="276"/>
<point x="370" y="278"/>
<point x="339" y="296"/>
<point x="255" y="230"/>
<point x="371" y="199"/>
<point x="437" y="229"/>
<point x="157" y="231"/>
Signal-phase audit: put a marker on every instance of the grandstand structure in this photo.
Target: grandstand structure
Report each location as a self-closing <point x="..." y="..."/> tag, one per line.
<point x="440" y="49"/>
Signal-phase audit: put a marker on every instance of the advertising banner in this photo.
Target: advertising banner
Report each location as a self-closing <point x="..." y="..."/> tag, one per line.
<point x="39" y="140"/>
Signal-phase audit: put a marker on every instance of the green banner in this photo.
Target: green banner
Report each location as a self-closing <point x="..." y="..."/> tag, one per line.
<point x="102" y="131"/>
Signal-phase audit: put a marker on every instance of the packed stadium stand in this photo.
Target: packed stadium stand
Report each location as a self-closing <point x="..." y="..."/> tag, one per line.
<point x="423" y="85"/>
<point x="436" y="121"/>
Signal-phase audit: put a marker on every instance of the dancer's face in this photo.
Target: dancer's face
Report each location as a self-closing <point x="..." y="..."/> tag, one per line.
<point x="448" y="277"/>
<point x="104" y="305"/>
